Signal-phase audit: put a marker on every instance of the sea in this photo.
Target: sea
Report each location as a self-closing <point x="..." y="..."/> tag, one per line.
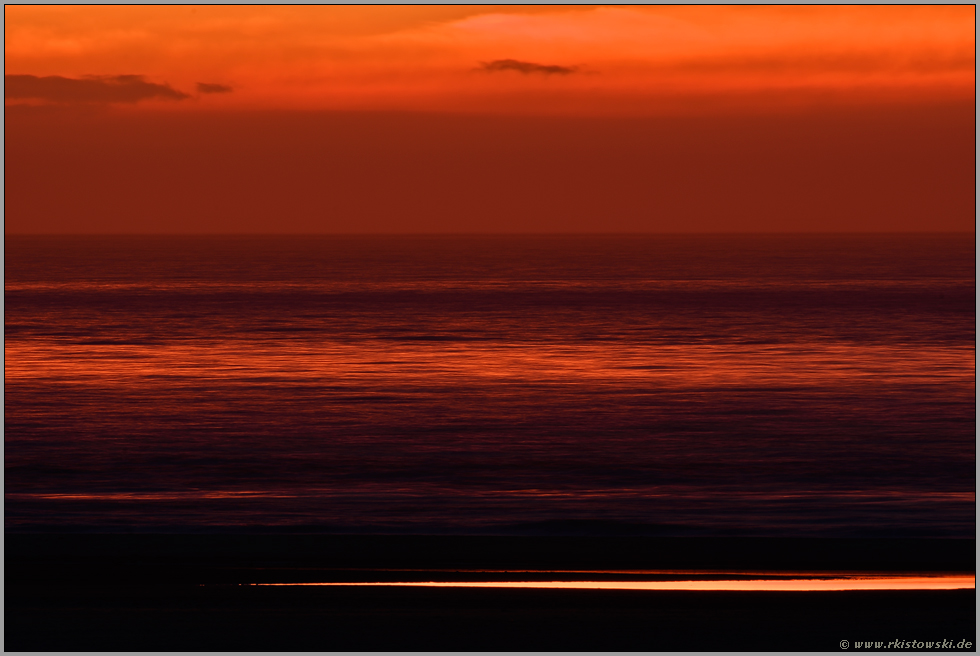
<point x="661" y="385"/>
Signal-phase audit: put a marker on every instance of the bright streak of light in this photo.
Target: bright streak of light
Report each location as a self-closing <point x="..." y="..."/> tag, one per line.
<point x="771" y="585"/>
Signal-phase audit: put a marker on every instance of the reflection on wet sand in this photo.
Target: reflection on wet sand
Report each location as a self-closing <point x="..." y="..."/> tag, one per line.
<point x="773" y="585"/>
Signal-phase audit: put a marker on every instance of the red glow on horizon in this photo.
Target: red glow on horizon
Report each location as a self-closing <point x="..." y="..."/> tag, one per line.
<point x="353" y="119"/>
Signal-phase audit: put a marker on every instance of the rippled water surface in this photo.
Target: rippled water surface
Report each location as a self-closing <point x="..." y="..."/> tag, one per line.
<point x="678" y="385"/>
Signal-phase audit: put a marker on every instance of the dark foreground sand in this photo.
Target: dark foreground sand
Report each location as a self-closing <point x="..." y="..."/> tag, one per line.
<point x="100" y="593"/>
<point x="176" y="618"/>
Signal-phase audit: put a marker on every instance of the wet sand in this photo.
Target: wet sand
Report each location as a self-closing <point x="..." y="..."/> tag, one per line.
<point x="172" y="592"/>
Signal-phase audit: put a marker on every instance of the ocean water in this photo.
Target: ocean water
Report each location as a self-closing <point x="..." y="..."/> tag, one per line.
<point x="654" y="385"/>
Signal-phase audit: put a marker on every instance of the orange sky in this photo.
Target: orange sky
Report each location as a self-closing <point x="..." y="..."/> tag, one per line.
<point x="623" y="59"/>
<point x="489" y="118"/>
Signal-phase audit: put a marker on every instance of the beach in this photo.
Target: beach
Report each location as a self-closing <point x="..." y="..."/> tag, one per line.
<point x="204" y="592"/>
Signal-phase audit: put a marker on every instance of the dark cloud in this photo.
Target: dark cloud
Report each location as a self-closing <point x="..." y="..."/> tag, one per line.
<point x="89" y="89"/>
<point x="207" y="87"/>
<point x="526" y="67"/>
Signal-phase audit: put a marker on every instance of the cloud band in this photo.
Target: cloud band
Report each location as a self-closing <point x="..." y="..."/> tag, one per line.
<point x="526" y="68"/>
<point x="93" y="89"/>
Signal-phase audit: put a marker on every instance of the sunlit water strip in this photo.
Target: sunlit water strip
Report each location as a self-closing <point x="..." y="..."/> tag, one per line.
<point x="772" y="585"/>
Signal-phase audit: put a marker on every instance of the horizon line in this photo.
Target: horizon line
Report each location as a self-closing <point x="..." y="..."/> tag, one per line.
<point x="490" y="234"/>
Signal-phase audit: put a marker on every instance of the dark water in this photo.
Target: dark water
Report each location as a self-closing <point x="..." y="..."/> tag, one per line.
<point x="715" y="385"/>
